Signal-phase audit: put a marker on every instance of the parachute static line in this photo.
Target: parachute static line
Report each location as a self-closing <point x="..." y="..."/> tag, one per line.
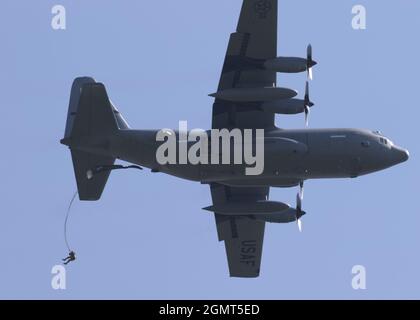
<point x="66" y="220"/>
<point x="92" y="172"/>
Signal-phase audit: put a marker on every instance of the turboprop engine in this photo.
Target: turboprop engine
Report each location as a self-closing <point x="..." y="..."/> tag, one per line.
<point x="292" y="64"/>
<point x="269" y="211"/>
<point x="254" y="94"/>
<point x="290" y="106"/>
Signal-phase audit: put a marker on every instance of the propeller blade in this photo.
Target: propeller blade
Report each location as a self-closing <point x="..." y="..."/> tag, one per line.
<point x="310" y="74"/>
<point x="307" y="112"/>
<point x="307" y="100"/>
<point x="298" y="204"/>
<point x="309" y="52"/>
<point x="301" y="191"/>
<point x="299" y="223"/>
<point x="299" y="199"/>
<point x="310" y="62"/>
<point x="308" y="103"/>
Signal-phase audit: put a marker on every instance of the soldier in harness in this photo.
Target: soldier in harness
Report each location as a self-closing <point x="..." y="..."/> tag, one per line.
<point x="70" y="258"/>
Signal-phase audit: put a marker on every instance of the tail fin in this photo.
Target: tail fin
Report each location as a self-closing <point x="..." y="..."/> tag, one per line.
<point x="91" y="115"/>
<point x="76" y="91"/>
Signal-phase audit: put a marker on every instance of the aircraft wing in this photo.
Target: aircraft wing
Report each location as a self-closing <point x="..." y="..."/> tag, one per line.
<point x="255" y="38"/>
<point x="243" y="235"/>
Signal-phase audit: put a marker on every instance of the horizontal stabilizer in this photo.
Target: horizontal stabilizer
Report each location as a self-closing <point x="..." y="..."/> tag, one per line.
<point x="90" y="189"/>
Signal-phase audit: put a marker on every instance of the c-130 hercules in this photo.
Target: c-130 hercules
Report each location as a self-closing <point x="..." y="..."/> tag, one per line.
<point x="247" y="98"/>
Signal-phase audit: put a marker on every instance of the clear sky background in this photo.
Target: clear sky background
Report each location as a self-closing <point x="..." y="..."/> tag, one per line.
<point x="148" y="237"/>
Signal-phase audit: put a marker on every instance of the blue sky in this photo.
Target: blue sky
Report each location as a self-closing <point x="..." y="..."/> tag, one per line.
<point x="148" y="237"/>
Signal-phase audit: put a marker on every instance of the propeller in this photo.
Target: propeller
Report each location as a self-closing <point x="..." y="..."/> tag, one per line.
<point x="310" y="62"/>
<point x="308" y="104"/>
<point x="299" y="199"/>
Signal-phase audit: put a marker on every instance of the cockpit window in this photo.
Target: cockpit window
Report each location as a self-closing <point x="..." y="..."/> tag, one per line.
<point x="385" y="141"/>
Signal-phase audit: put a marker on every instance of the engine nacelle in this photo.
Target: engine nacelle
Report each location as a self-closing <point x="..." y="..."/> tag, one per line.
<point x="291" y="106"/>
<point x="248" y="208"/>
<point x="254" y="94"/>
<point x="286" y="216"/>
<point x="287" y="64"/>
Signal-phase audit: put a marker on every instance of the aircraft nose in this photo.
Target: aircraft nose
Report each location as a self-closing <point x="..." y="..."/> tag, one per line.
<point x="400" y="154"/>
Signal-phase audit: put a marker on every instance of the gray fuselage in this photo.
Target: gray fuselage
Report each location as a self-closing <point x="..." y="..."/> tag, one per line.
<point x="327" y="153"/>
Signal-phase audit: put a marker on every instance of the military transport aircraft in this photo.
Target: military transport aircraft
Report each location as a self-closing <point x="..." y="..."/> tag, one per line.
<point x="247" y="98"/>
